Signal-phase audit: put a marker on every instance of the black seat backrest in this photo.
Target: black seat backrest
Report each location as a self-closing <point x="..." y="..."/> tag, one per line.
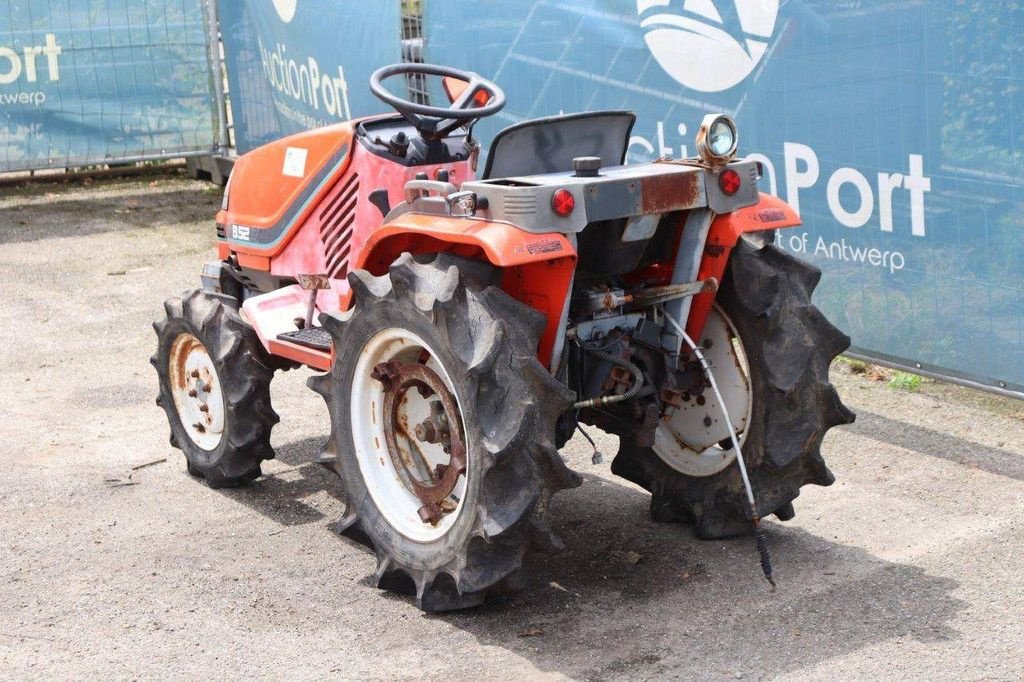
<point x="548" y="145"/>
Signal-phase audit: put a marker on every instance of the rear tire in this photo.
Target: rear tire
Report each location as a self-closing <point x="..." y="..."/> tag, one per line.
<point x="225" y="442"/>
<point x="483" y="344"/>
<point x="789" y="346"/>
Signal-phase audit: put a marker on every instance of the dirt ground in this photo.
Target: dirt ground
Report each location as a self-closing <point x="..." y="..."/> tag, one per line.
<point x="115" y="563"/>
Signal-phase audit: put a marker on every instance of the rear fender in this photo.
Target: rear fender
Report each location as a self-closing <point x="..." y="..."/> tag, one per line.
<point x="770" y="213"/>
<point x="536" y="269"/>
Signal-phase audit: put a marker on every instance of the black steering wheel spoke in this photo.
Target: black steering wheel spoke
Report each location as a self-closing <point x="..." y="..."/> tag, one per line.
<point x="438" y="122"/>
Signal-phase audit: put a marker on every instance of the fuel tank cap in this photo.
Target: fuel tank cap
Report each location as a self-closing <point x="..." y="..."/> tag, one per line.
<point x="586" y="166"/>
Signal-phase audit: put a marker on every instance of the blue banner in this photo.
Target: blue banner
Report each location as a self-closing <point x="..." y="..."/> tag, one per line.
<point x="300" y="64"/>
<point x="93" y="81"/>
<point x="895" y="128"/>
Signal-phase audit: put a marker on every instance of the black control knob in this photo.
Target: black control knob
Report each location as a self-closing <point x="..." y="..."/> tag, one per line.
<point x="586" y="166"/>
<point x="399" y="144"/>
<point x="442" y="175"/>
<point x="422" y="176"/>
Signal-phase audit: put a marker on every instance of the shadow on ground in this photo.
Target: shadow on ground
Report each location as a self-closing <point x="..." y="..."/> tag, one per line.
<point x="631" y="598"/>
<point x="37" y="221"/>
<point x="933" y="443"/>
<point x="282" y="496"/>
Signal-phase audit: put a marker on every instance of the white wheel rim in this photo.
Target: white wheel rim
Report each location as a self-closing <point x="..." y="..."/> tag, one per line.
<point x="396" y="502"/>
<point x="196" y="390"/>
<point x="686" y="442"/>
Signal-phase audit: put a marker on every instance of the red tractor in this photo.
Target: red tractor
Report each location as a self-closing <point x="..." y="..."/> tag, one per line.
<point x="464" y="328"/>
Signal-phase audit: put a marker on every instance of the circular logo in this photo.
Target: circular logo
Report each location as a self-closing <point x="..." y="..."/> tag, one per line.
<point x="708" y="45"/>
<point x="285" y="9"/>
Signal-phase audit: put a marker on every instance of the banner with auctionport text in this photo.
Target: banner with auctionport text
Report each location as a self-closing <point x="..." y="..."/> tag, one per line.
<point x="300" y="64"/>
<point x="896" y="129"/>
<point x="90" y="82"/>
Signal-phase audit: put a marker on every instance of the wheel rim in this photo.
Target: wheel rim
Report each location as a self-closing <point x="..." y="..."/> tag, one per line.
<point x="695" y="439"/>
<point x="196" y="390"/>
<point x="408" y="435"/>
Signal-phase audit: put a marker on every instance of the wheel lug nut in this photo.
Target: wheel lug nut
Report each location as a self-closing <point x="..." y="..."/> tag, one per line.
<point x="195" y="374"/>
<point x="192" y="393"/>
<point x="199" y="427"/>
<point x="426" y="432"/>
<point x="430" y="513"/>
<point x="204" y="408"/>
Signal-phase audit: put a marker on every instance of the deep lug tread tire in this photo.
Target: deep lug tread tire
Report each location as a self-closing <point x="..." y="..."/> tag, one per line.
<point x="790" y="346"/>
<point x="244" y="374"/>
<point x="487" y="341"/>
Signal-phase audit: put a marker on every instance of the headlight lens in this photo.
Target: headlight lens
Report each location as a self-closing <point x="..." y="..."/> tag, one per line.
<point x="462" y="204"/>
<point x="717" y="139"/>
<point x="722" y="137"/>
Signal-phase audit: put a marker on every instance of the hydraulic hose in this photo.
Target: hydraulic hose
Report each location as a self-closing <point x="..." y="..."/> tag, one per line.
<point x="638" y="381"/>
<point x="760" y="536"/>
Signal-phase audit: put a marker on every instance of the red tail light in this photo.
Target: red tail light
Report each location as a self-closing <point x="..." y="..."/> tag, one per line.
<point x="563" y="202"/>
<point x="729" y="181"/>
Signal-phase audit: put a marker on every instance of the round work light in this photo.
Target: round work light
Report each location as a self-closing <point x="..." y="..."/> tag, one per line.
<point x="717" y="139"/>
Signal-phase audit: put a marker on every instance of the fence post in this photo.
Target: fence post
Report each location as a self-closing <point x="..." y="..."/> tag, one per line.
<point x="217" y="69"/>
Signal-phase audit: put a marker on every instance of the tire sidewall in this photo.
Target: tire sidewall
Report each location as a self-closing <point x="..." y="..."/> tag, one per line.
<point x="197" y="456"/>
<point x="729" y="300"/>
<point x="361" y="327"/>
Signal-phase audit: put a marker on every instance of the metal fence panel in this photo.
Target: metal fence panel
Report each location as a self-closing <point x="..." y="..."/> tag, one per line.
<point x="85" y="82"/>
<point x="895" y="127"/>
<point x="299" y="64"/>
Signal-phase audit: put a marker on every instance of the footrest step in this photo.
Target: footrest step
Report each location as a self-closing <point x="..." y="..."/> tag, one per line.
<point x="315" y="337"/>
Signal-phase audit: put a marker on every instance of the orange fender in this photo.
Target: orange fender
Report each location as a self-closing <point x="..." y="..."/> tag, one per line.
<point x="770" y="213"/>
<point x="537" y="268"/>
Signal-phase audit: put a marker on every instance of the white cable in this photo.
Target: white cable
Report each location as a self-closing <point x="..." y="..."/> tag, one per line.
<point x="721" y="403"/>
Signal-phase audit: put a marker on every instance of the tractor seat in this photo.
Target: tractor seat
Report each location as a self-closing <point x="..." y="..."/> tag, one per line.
<point x="548" y="145"/>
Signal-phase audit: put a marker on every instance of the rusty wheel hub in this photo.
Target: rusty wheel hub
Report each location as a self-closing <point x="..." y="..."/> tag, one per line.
<point x="196" y="390"/>
<point x="431" y="484"/>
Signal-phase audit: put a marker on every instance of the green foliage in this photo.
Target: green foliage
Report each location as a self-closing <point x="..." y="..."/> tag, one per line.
<point x="856" y="366"/>
<point x="905" y="381"/>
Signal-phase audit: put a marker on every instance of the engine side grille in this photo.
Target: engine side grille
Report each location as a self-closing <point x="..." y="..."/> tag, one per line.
<point x="336" y="222"/>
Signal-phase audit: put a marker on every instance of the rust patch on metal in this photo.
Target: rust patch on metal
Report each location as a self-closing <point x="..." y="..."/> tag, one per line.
<point x="669" y="192"/>
<point x="398" y="379"/>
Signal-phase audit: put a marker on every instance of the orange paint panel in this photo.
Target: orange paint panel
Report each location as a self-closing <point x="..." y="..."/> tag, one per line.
<point x="307" y="356"/>
<point x="454" y="87"/>
<point x="268" y="180"/>
<point x="770" y="213"/>
<point x="538" y="267"/>
<point x="255" y="262"/>
<point x="544" y="286"/>
<point x="502" y="244"/>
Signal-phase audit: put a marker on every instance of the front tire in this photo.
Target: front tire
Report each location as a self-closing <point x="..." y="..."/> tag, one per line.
<point x="214" y="388"/>
<point x="789" y="346"/>
<point x="437" y="326"/>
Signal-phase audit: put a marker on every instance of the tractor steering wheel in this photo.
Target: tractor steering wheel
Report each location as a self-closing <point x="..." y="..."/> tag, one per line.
<point x="438" y="122"/>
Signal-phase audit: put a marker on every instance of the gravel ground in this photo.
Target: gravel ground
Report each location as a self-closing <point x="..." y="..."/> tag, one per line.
<point x="908" y="567"/>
